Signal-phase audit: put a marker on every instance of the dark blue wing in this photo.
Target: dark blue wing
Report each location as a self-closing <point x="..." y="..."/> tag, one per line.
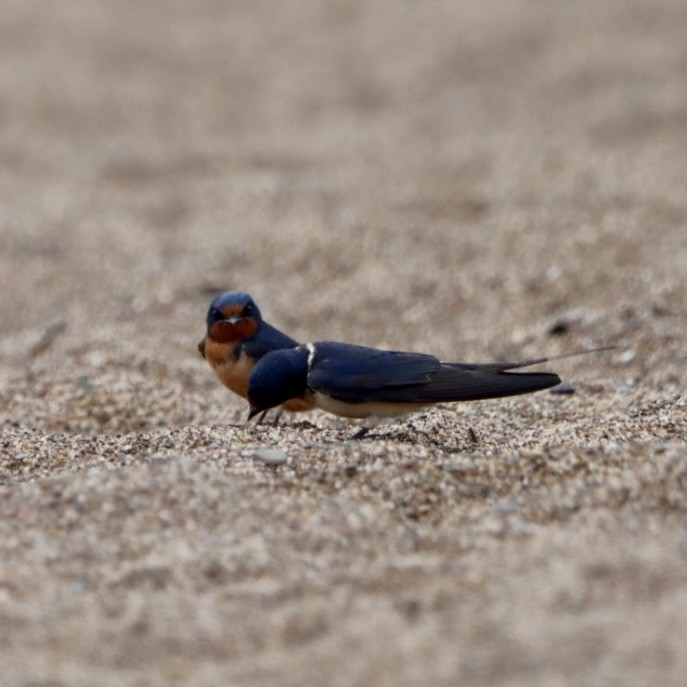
<point x="457" y="382"/>
<point x="357" y="374"/>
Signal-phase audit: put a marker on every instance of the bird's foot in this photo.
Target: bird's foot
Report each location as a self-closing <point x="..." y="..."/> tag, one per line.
<point x="360" y="433"/>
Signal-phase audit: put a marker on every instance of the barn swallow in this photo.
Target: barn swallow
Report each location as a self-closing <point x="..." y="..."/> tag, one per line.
<point x="236" y="338"/>
<point x="360" y="382"/>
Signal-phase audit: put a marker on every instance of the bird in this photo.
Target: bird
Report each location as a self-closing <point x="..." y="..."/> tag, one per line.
<point x="361" y="382"/>
<point x="237" y="338"/>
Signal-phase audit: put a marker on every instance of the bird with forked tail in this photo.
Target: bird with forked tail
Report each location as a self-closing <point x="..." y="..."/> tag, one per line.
<point x="361" y="382"/>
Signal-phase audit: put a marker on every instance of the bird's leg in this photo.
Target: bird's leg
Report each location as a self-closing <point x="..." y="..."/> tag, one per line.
<point x="263" y="415"/>
<point x="367" y="424"/>
<point x="251" y="415"/>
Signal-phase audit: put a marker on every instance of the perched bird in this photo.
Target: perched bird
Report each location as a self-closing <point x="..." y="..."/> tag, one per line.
<point x="236" y="338"/>
<point x="360" y="382"/>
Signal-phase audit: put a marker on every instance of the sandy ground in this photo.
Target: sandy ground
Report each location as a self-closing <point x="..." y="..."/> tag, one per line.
<point x="479" y="180"/>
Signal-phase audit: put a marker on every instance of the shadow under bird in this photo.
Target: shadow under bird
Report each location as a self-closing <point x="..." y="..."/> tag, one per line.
<point x="360" y="382"/>
<point x="237" y="338"/>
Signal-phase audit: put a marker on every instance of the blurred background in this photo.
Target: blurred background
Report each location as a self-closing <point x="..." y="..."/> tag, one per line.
<point x="478" y="179"/>
<point x="450" y="177"/>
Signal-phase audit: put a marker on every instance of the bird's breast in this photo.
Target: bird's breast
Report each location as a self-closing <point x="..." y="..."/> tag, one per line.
<point x="231" y="365"/>
<point x="298" y="405"/>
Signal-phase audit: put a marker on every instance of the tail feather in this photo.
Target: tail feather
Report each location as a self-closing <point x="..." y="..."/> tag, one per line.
<point x="502" y="367"/>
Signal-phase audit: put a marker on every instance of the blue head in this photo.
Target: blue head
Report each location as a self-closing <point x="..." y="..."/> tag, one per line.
<point x="278" y="377"/>
<point x="232" y="316"/>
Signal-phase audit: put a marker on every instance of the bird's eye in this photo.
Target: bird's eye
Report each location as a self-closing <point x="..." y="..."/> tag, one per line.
<point x="216" y="315"/>
<point x="247" y="311"/>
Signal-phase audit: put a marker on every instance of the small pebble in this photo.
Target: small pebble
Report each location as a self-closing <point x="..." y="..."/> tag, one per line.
<point x="627" y="356"/>
<point x="271" y="456"/>
<point x="563" y="388"/>
<point x="559" y="327"/>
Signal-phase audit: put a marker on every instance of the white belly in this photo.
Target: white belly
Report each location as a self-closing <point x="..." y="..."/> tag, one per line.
<point x="362" y="410"/>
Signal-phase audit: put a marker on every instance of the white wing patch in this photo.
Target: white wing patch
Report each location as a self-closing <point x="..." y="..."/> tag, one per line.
<point x="310" y="347"/>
